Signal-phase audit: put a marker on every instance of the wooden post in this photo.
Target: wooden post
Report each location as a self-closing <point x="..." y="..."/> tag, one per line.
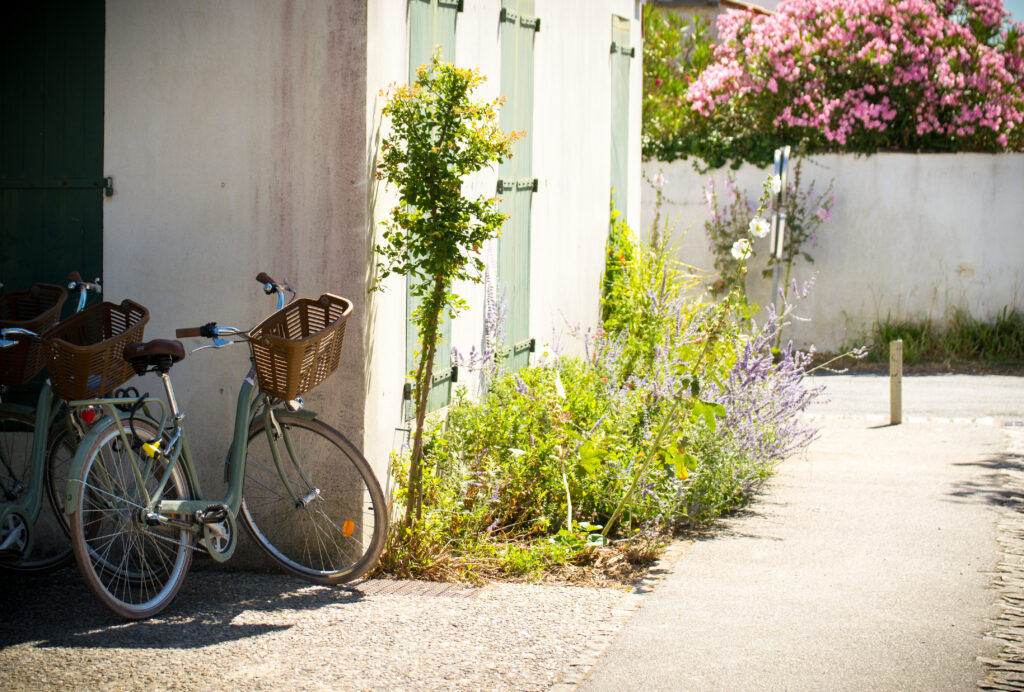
<point x="896" y="382"/>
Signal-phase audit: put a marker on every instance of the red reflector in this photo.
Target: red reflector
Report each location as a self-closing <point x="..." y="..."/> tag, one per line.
<point x="88" y="416"/>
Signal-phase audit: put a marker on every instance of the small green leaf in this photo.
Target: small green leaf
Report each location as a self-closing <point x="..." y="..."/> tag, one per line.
<point x="681" y="471"/>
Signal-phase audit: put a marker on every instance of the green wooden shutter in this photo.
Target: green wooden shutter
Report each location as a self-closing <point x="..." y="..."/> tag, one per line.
<point x="51" y="141"/>
<point x="51" y="147"/>
<point x="516" y="183"/>
<point x="431" y="24"/>
<point x="621" y="54"/>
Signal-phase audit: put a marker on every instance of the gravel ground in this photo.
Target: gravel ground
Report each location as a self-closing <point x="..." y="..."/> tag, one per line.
<point x="266" y="631"/>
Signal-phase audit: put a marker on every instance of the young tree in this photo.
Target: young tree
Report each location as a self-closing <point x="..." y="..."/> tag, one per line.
<point x="433" y="237"/>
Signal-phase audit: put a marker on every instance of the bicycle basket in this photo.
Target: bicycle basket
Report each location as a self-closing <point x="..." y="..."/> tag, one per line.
<point x="36" y="309"/>
<point x="84" y="351"/>
<point x="297" y="347"/>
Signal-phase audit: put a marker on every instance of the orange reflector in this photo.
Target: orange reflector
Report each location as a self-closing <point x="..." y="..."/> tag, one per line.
<point x="348" y="527"/>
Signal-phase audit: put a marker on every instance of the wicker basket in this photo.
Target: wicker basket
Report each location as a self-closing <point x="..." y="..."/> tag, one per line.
<point x="84" y="351"/>
<point x="297" y="347"/>
<point x="36" y="310"/>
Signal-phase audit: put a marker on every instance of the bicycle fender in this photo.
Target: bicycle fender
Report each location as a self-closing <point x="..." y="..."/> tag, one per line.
<point x="18" y="408"/>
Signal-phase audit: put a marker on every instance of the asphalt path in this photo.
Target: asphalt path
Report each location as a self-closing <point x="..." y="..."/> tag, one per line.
<point x="867" y="565"/>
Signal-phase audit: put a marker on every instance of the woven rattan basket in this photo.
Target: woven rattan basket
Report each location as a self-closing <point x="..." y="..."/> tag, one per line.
<point x="297" y="347"/>
<point x="36" y="310"/>
<point x="84" y="351"/>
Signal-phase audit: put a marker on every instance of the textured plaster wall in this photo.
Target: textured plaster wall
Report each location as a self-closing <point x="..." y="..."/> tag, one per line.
<point x="912" y="236"/>
<point x="235" y="132"/>
<point x="571" y="159"/>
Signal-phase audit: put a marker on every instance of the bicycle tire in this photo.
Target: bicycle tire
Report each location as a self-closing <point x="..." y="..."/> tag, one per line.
<point x="134" y="569"/>
<point x="337" y="535"/>
<point x="50" y="547"/>
<point x="60" y="453"/>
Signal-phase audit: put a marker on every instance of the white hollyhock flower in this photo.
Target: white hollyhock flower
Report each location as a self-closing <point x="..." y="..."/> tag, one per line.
<point x="741" y="249"/>
<point x="758" y="227"/>
<point x="775" y="182"/>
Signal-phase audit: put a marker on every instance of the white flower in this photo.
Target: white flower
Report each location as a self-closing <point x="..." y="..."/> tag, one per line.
<point x="741" y="249"/>
<point x="758" y="227"/>
<point x="659" y="181"/>
<point x="776" y="183"/>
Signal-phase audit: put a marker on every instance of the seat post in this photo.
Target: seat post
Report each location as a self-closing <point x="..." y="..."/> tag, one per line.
<point x="169" y="390"/>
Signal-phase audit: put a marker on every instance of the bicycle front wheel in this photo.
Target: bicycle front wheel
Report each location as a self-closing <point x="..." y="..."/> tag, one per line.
<point x="316" y="509"/>
<point x="49" y="548"/>
<point x="135" y="569"/>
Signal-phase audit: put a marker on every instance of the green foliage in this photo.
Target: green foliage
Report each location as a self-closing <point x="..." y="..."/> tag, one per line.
<point x="619" y="444"/>
<point x="439" y="135"/>
<point x="962" y="338"/>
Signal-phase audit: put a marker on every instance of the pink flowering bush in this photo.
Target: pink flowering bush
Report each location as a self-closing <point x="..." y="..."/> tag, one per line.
<point x="863" y="76"/>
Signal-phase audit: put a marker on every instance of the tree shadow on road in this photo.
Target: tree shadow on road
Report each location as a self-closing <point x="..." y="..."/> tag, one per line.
<point x="990" y="488"/>
<point x="58" y="610"/>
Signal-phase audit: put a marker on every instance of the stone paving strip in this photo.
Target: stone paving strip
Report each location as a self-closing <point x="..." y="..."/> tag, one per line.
<point x="266" y="631"/>
<point x="1007" y="671"/>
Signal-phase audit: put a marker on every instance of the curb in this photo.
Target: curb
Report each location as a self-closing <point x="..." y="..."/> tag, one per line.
<point x="579" y="668"/>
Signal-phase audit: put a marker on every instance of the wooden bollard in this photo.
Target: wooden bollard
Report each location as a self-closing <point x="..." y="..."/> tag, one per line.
<point x="896" y="382"/>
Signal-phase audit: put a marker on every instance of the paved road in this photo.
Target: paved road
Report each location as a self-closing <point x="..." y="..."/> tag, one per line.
<point x="867" y="566"/>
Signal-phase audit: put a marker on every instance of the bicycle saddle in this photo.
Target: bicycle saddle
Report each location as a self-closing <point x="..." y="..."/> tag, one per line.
<point x="158" y="354"/>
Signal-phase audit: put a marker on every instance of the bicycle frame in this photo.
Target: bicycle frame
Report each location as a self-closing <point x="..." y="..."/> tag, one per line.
<point x="250" y="401"/>
<point x="47" y="411"/>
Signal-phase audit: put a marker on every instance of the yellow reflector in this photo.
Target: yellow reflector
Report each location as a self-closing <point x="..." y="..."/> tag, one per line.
<point x="348" y="527"/>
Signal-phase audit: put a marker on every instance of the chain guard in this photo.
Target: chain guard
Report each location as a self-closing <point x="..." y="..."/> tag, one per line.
<point x="220" y="538"/>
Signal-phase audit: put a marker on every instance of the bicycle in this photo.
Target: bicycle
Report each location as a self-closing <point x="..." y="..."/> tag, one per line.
<point x="37" y="443"/>
<point x="136" y="506"/>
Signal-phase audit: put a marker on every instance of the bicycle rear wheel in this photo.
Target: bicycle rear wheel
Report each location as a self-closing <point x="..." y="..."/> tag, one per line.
<point x="49" y="547"/>
<point x="133" y="568"/>
<point x="318" y="512"/>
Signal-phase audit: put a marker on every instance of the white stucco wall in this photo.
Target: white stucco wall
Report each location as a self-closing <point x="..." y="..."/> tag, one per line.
<point x="571" y="159"/>
<point x="912" y="236"/>
<point x="242" y="135"/>
<point x="235" y="134"/>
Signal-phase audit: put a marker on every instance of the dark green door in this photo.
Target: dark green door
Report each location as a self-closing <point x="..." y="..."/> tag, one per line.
<point x="516" y="183"/>
<point x="51" y="141"/>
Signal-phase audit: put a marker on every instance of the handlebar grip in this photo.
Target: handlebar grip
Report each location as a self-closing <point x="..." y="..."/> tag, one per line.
<point x="185" y="332"/>
<point x="75" y="277"/>
<point x="264" y="278"/>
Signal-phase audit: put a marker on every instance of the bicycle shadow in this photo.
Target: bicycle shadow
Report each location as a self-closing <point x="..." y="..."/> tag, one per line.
<point x="58" y="611"/>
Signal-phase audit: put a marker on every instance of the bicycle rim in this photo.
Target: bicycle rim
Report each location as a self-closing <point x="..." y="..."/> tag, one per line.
<point x="50" y="546"/>
<point x="323" y="516"/>
<point x="133" y="568"/>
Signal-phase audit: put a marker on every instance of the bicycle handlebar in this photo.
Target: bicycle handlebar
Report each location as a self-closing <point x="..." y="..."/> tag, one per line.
<point x="210" y="330"/>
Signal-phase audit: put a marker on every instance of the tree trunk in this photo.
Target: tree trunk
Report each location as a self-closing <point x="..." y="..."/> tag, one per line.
<point x="424" y="373"/>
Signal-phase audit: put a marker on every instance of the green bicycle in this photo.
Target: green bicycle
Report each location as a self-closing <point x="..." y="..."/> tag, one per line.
<point x="304" y="493"/>
<point x="36" y="444"/>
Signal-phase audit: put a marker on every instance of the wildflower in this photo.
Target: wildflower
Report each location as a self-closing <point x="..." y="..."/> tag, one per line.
<point x="824" y="214"/>
<point x="759" y="227"/>
<point x="775" y="182"/>
<point x="741" y="249"/>
<point x="659" y="181"/>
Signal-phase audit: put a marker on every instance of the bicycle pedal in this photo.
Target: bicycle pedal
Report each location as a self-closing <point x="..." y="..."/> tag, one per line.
<point x="214" y="514"/>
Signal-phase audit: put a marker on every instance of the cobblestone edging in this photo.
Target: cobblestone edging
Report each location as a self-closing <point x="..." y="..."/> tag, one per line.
<point x="601" y="639"/>
<point x="1007" y="671"/>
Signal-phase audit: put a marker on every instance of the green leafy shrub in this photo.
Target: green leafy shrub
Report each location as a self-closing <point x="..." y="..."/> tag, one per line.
<point x="676" y="411"/>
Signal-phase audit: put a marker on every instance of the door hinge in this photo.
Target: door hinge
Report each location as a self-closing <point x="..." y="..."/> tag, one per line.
<point x="511" y="17"/>
<point x="624" y="50"/>
<point x="108" y="186"/>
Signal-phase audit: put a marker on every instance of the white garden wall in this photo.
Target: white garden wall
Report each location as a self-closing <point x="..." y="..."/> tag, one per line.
<point x="912" y="236"/>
